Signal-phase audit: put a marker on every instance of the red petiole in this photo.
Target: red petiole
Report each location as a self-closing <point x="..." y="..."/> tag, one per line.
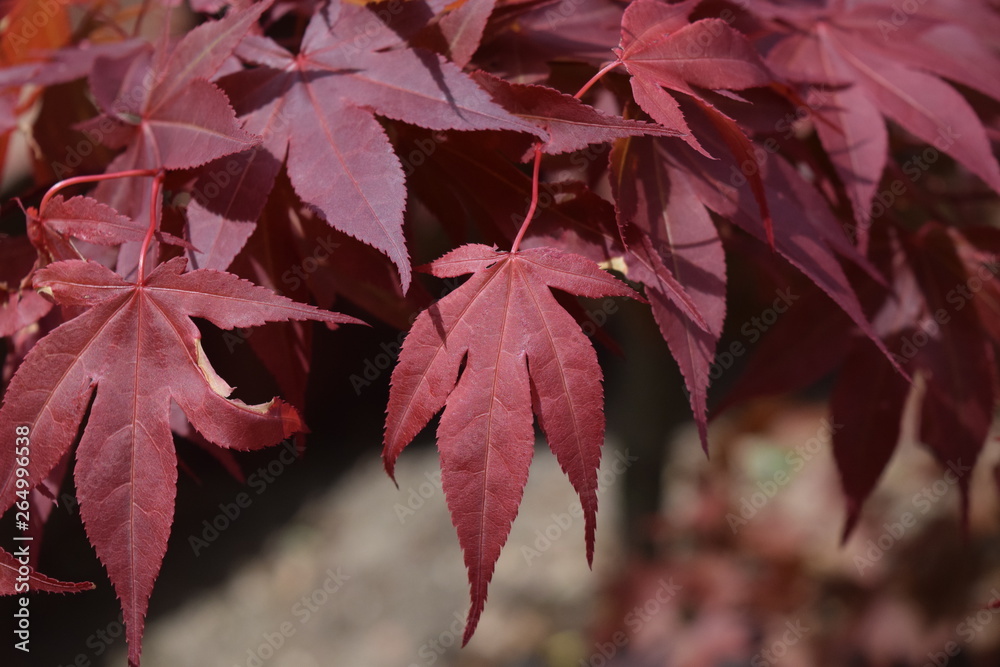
<point x="533" y="206"/>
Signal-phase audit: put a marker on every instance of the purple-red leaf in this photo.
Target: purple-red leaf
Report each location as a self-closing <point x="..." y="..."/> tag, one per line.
<point x="339" y="158"/>
<point x="519" y="353"/>
<point x="463" y="28"/>
<point x="88" y="220"/>
<point x="571" y="124"/>
<point x="134" y="351"/>
<point x="13" y="580"/>
<point x="658" y="199"/>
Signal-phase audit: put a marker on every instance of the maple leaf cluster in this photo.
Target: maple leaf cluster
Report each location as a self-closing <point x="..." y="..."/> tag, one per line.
<point x="840" y="146"/>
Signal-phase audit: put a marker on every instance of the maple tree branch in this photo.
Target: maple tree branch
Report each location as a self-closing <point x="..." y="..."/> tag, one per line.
<point x="76" y="180"/>
<point x="153" y="207"/>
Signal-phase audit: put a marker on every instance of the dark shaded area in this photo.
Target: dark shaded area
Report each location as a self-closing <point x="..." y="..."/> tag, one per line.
<point x="346" y="425"/>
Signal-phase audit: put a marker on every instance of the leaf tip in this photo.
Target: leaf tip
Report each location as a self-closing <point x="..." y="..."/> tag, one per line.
<point x="473" y="620"/>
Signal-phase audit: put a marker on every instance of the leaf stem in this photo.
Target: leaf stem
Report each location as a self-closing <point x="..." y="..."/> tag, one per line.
<point x="76" y="180"/>
<point x="538" y="160"/>
<point x="534" y="199"/>
<point x="597" y="77"/>
<point x="154" y="201"/>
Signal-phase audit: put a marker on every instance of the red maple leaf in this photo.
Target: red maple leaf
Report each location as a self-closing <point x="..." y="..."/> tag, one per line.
<point x="133" y="352"/>
<point x="870" y="68"/>
<point x="12" y="579"/>
<point x="316" y="107"/>
<point x="664" y="206"/>
<point x="182" y="120"/>
<point x="663" y="51"/>
<point x="86" y="219"/>
<point x="519" y="353"/>
<point x="571" y="124"/>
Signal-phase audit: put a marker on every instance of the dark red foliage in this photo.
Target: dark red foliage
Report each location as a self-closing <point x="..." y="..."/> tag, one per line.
<point x="287" y="153"/>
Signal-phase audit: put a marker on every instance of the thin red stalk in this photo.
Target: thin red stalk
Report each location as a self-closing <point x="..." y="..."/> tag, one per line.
<point x="154" y="202"/>
<point x="594" y="79"/>
<point x="538" y="161"/>
<point x="534" y="199"/>
<point x="76" y="180"/>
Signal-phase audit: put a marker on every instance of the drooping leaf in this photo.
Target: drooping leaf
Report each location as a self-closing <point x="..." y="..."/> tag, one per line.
<point x="796" y="206"/>
<point x="133" y="351"/>
<point x="869" y="67"/>
<point x="519" y="353"/>
<point x="866" y="405"/>
<point x="12" y="579"/>
<point x="657" y="198"/>
<point x="957" y="359"/>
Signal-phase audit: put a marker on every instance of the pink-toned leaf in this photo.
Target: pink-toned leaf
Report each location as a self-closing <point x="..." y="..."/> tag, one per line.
<point x="927" y="107"/>
<point x="522" y="353"/>
<point x="794" y="204"/>
<point x="202" y="51"/>
<point x="134" y="351"/>
<point x="852" y="130"/>
<point x="463" y="28"/>
<point x="88" y="220"/>
<point x="647" y="266"/>
<point x="707" y="54"/>
<point x="339" y="158"/>
<point x="195" y="126"/>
